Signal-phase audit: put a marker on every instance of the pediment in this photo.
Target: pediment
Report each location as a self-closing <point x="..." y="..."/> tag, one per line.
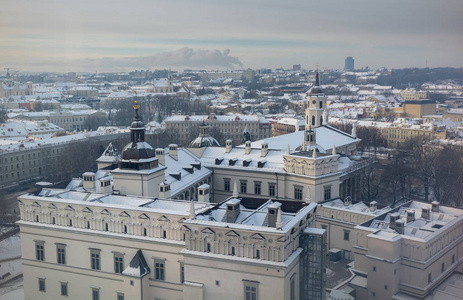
<point x="52" y="206"/>
<point x="35" y="204"/>
<point x="144" y="217"/>
<point x="207" y="231"/>
<point x="163" y="219"/>
<point x="281" y="239"/>
<point x="105" y="212"/>
<point x="87" y="210"/>
<point x="232" y="233"/>
<point x="257" y="236"/>
<point x="124" y="214"/>
<point x="69" y="208"/>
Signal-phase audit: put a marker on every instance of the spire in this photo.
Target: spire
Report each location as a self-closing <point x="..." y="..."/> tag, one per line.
<point x="192" y="210"/>
<point x="317" y="78"/>
<point x="278" y="223"/>
<point x="235" y="190"/>
<point x="334" y="150"/>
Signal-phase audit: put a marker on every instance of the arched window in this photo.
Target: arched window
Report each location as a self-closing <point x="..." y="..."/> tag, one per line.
<point x="313" y="120"/>
<point x="321" y="104"/>
<point x="321" y="120"/>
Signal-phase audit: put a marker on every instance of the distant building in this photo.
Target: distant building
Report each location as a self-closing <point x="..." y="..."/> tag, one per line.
<point x="349" y="64"/>
<point x="412" y="94"/>
<point x="12" y="88"/>
<point x="231" y="126"/>
<point x="296" y="67"/>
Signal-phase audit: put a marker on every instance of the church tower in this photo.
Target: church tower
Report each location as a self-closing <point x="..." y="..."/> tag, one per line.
<point x="315" y="114"/>
<point x="170" y="88"/>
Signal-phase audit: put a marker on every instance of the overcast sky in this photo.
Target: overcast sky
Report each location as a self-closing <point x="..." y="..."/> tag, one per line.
<point x="112" y="35"/>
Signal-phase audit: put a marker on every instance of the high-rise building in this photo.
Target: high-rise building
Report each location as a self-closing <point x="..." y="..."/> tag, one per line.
<point x="349" y="63"/>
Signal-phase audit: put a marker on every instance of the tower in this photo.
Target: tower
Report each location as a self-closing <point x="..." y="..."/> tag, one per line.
<point x="349" y="64"/>
<point x="316" y="106"/>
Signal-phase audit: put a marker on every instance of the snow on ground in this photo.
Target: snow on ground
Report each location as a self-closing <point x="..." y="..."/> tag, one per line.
<point x="10" y="248"/>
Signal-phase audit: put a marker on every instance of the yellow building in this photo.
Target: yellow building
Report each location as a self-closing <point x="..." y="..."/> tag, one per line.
<point x="412" y="94"/>
<point x="418" y="108"/>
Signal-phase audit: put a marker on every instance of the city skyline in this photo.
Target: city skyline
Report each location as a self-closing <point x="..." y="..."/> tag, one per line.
<point x="115" y="36"/>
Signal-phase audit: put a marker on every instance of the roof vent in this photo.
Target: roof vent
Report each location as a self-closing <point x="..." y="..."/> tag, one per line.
<point x="233" y="210"/>
<point x="435" y="206"/>
<point x="373" y="205"/>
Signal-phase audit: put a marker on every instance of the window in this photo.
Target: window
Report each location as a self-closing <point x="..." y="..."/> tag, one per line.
<point x="41" y="284"/>
<point x="159" y="266"/>
<point x="182" y="272"/>
<point x="346" y="235"/>
<point x="292" y="287"/>
<point x="120" y="296"/>
<point x="257" y="253"/>
<point x="118" y="263"/>
<point x="217" y="283"/>
<point x="226" y="183"/>
<point x="453" y="258"/>
<point x="442" y="268"/>
<point x="64" y="288"/>
<point x="271" y="189"/>
<point x="385" y="286"/>
<point x="374" y="269"/>
<point x="95" y="259"/>
<point x="429" y="278"/>
<point x="257" y="188"/>
<point x="232" y="250"/>
<point x="327" y="192"/>
<point x="298" y="193"/>
<point x="39" y="251"/>
<point x="95" y="294"/>
<point x="250" y="290"/>
<point x="208" y="247"/>
<point x="243" y="186"/>
<point x="61" y="254"/>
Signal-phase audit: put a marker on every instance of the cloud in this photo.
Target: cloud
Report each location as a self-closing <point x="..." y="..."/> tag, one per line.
<point x="182" y="58"/>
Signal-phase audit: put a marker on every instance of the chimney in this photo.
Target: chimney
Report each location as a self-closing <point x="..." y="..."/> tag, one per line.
<point x="173" y="148"/>
<point x="228" y="146"/>
<point x="400" y="226"/>
<point x="203" y="193"/>
<point x="435" y="206"/>
<point x="272" y="213"/>
<point x="373" y="205"/>
<point x="247" y="147"/>
<point x="347" y="201"/>
<point x="425" y="213"/>
<point x="233" y="210"/>
<point x="393" y="218"/>
<point x="192" y="210"/>
<point x="264" y="150"/>
<point x="160" y="154"/>
<point x="410" y="216"/>
<point x="164" y="190"/>
<point x="89" y="181"/>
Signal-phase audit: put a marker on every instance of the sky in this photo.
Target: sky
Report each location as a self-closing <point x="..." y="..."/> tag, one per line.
<point x="113" y="35"/>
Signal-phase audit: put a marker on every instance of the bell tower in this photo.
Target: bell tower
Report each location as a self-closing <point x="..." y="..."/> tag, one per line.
<point x="315" y="115"/>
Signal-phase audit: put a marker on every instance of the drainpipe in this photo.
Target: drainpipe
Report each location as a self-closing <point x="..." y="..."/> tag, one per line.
<point x="276" y="174"/>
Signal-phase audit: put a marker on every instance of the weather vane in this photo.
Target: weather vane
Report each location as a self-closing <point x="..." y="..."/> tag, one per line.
<point x="136" y="106"/>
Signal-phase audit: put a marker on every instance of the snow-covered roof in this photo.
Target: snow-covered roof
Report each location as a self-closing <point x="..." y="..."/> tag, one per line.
<point x="138" y="267"/>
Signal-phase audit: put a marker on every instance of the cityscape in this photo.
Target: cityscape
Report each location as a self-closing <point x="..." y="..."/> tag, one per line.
<point x="303" y="155"/>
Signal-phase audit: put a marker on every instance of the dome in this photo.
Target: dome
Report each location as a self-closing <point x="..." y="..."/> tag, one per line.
<point x="204" y="141"/>
<point x="137" y="124"/>
<point x="316" y="89"/>
<point x="138" y="150"/>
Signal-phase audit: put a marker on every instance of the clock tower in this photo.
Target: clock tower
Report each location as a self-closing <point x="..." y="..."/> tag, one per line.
<point x="315" y="114"/>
